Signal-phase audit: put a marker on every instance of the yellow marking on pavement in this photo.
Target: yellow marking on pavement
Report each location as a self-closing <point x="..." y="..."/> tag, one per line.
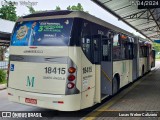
<point x="112" y="101"/>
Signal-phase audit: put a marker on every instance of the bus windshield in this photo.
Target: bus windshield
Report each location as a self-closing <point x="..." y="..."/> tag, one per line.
<point x="54" y="32"/>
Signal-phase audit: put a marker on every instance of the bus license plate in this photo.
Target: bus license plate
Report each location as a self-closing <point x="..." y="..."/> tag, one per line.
<point x="30" y="100"/>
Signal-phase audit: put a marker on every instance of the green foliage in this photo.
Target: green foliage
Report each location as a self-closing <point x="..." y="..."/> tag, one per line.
<point x="31" y="9"/>
<point x="77" y="7"/>
<point x="8" y="11"/>
<point x="156" y="47"/>
<point x="74" y="7"/>
<point x="2" y="76"/>
<point x="157" y="57"/>
<point x="58" y="8"/>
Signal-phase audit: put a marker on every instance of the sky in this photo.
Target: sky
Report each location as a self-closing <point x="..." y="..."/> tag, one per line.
<point x="88" y="5"/>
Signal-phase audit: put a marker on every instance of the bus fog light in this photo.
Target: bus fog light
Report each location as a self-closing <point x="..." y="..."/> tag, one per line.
<point x="70" y="85"/>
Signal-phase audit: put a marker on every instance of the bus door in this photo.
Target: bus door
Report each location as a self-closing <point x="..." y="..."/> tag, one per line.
<point x="133" y="61"/>
<point x="148" y="58"/>
<point x="153" y="55"/>
<point x="106" y="66"/>
<point x="103" y="65"/>
<point x="135" y="64"/>
<point x="96" y="42"/>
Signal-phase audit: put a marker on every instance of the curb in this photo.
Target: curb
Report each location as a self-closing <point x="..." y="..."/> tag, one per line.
<point x="2" y="86"/>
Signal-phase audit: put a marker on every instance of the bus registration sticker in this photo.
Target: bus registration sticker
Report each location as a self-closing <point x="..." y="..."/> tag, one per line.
<point x="30" y="100"/>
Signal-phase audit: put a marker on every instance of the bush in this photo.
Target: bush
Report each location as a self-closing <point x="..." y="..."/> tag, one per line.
<point x="157" y="56"/>
<point x="2" y="76"/>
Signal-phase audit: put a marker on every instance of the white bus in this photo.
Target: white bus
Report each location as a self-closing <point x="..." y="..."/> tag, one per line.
<point x="70" y="60"/>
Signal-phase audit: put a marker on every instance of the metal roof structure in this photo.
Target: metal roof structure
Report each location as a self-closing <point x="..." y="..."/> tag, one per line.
<point x="144" y="21"/>
<point x="4" y="39"/>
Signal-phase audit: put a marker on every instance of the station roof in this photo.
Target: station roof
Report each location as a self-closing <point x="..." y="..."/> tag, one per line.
<point x="6" y="28"/>
<point x="144" y="21"/>
<point x="4" y="39"/>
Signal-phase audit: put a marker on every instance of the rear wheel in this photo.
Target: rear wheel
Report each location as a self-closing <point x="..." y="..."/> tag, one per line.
<point x="115" y="85"/>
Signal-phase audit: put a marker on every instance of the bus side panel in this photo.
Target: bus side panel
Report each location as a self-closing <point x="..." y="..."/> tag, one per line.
<point x="142" y="62"/>
<point x="97" y="84"/>
<point x="123" y="68"/>
<point x="130" y="69"/>
<point x="88" y="82"/>
<point x="75" y="55"/>
<point x="85" y="76"/>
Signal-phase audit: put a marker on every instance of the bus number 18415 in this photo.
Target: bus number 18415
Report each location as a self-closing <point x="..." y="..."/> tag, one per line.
<point x="49" y="70"/>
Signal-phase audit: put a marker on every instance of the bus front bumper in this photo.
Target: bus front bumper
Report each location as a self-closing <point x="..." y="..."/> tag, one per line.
<point x="49" y="101"/>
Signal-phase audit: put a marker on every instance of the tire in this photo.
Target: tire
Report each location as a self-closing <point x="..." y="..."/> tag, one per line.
<point x="115" y="86"/>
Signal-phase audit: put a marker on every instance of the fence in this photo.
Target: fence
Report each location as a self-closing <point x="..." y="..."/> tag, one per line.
<point x="3" y="65"/>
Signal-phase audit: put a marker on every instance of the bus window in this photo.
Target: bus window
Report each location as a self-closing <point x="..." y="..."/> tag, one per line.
<point x="116" y="47"/>
<point x="55" y="32"/>
<point x="140" y="51"/>
<point x="124" y="49"/>
<point x="105" y="50"/>
<point x="86" y="40"/>
<point x="106" y="46"/>
<point x="127" y="48"/>
<point x="143" y="51"/>
<point x="130" y="51"/>
<point x="131" y="47"/>
<point x="96" y="48"/>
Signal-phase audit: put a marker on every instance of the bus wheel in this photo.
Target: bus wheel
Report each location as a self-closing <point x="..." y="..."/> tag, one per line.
<point x="115" y="85"/>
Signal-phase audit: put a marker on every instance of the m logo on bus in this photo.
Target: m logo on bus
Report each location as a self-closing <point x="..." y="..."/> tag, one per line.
<point x="30" y="81"/>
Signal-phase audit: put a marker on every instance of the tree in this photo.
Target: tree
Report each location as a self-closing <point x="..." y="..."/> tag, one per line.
<point x="8" y="11"/>
<point x="58" y="8"/>
<point x="3" y="49"/>
<point x="74" y="7"/>
<point x="31" y="9"/>
<point x="77" y="7"/>
<point x="156" y="47"/>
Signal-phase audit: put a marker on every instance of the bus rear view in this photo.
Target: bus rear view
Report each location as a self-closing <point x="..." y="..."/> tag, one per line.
<point x="71" y="60"/>
<point x="43" y="71"/>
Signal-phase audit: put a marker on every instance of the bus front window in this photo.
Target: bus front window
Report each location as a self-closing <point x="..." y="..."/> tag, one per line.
<point x="54" y="32"/>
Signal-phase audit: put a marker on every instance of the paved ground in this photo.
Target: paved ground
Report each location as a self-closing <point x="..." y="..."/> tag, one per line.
<point x="2" y="86"/>
<point x="143" y="97"/>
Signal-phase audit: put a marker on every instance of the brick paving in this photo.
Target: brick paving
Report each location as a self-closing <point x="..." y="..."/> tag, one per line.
<point x="144" y="97"/>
